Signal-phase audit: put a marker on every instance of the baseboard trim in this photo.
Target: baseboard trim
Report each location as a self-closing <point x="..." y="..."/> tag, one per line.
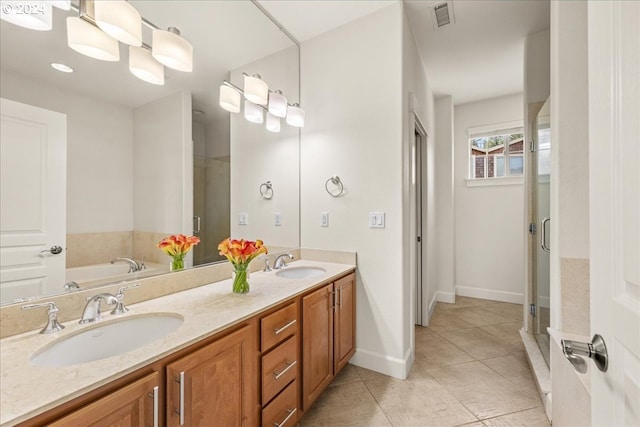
<point x="490" y="294"/>
<point x="392" y="366"/>
<point x="448" y="297"/>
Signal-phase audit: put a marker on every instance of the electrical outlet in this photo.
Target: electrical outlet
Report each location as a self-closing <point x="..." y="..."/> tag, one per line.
<point x="324" y="219"/>
<point x="277" y="219"/>
<point x="243" y="218"/>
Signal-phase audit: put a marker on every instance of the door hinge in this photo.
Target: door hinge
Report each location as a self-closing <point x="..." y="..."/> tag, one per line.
<point x="532" y="146"/>
<point x="419" y="239"/>
<point x="532" y="310"/>
<point x="532" y="228"/>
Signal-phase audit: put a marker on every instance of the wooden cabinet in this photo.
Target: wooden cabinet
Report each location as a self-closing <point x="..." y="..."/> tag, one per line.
<point x="134" y="405"/>
<point x="328" y="318"/>
<point x="213" y="385"/>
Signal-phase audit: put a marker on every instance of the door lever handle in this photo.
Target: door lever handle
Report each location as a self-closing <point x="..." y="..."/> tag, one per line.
<point x="596" y="350"/>
<point x="54" y="250"/>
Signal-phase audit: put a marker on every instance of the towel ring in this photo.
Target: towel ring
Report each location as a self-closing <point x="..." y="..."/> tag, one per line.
<point x="335" y="180"/>
<point x="266" y="190"/>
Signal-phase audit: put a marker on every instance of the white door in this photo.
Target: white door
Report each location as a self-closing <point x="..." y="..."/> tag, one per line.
<point x="33" y="200"/>
<point x="614" y="152"/>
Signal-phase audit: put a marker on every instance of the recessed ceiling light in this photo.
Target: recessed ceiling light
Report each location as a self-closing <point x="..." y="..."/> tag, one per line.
<point x="62" y="67"/>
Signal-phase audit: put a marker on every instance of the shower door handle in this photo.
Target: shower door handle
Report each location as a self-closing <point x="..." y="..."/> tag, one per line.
<point x="543" y="239"/>
<point x="196" y="225"/>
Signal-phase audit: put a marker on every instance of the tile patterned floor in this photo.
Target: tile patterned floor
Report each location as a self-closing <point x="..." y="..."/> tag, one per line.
<point x="470" y="370"/>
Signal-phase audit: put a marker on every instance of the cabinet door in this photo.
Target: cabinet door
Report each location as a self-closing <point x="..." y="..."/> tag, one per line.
<point x="317" y="321"/>
<point x="213" y="386"/>
<point x="130" y="406"/>
<point x="345" y="321"/>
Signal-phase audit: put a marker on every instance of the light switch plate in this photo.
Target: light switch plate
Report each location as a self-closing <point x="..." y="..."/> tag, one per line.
<point x="243" y="218"/>
<point x="277" y="219"/>
<point x="324" y="219"/>
<point x="376" y="219"/>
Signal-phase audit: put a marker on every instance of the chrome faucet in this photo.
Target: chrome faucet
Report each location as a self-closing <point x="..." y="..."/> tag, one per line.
<point x="280" y="261"/>
<point x="91" y="311"/>
<point x="52" y="324"/>
<point x="133" y="264"/>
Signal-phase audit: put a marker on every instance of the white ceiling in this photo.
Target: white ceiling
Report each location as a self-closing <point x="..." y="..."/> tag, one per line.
<point x="479" y="56"/>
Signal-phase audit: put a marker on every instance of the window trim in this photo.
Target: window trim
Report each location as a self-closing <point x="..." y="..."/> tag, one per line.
<point x="488" y="130"/>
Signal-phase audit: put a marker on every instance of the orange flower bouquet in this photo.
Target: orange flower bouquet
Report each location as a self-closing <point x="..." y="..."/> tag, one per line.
<point x="240" y="253"/>
<point x="177" y="246"/>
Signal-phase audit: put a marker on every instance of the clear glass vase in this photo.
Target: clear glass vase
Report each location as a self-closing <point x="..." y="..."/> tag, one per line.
<point x="240" y="278"/>
<point x="177" y="263"/>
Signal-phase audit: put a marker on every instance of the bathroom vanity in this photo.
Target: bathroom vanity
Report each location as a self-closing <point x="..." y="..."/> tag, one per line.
<point x="256" y="359"/>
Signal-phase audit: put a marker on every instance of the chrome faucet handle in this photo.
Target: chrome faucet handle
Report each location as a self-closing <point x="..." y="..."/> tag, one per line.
<point x="52" y="324"/>
<point x="267" y="268"/>
<point x="141" y="265"/>
<point x="120" y="308"/>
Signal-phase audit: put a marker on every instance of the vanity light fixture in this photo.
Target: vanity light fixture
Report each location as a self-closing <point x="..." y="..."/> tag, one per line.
<point x="229" y="99"/>
<point x="252" y="112"/>
<point x="61" y="67"/>
<point x="256" y="90"/>
<point x="273" y="123"/>
<point x="276" y="105"/>
<point x="143" y="66"/>
<point x="295" y="116"/>
<point x="170" y="49"/>
<point x="34" y="15"/>
<point x="120" y="20"/>
<point x="89" y="40"/>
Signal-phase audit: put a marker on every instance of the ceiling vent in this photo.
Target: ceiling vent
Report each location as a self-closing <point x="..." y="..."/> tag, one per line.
<point x="442" y="14"/>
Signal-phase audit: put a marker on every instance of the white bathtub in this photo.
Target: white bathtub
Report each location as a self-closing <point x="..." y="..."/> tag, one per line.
<point x="90" y="273"/>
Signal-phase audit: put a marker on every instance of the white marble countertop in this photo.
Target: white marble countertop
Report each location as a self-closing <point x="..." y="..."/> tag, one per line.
<point x="26" y="390"/>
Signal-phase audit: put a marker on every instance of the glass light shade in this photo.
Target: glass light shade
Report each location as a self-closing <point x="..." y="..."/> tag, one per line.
<point x="253" y="112"/>
<point x="120" y="20"/>
<point x="229" y="99"/>
<point x="273" y="123"/>
<point x="170" y="49"/>
<point x="61" y="4"/>
<point x="256" y="90"/>
<point x="90" y="40"/>
<point x="277" y="104"/>
<point x="143" y="66"/>
<point x="295" y="116"/>
<point x="34" y="15"/>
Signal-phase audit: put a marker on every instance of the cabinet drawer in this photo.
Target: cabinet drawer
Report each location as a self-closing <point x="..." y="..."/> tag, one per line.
<point x="283" y="411"/>
<point x="279" y="368"/>
<point x="277" y="326"/>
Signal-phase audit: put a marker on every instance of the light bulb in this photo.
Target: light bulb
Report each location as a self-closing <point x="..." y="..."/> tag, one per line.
<point x="253" y="112"/>
<point x="89" y="40"/>
<point x="143" y="66"/>
<point x="256" y="90"/>
<point x="170" y="49"/>
<point x="295" y="116"/>
<point x="273" y="123"/>
<point x="120" y="20"/>
<point x="277" y="104"/>
<point x="229" y="99"/>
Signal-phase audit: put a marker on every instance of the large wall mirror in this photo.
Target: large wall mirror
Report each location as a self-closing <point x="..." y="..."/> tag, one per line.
<point x="140" y="161"/>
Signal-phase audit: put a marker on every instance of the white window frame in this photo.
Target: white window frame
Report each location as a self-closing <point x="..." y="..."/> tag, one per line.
<point x="488" y="130"/>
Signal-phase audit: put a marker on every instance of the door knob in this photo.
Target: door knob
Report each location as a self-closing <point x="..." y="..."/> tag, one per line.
<point x="596" y="350"/>
<point x="54" y="250"/>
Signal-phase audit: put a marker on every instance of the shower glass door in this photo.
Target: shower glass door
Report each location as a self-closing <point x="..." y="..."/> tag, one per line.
<point x="542" y="182"/>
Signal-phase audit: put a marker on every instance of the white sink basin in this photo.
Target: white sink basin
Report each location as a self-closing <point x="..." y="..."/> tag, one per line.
<point x="300" y="272"/>
<point x="107" y="339"/>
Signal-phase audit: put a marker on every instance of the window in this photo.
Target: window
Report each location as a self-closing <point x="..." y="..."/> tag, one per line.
<point x="496" y="154"/>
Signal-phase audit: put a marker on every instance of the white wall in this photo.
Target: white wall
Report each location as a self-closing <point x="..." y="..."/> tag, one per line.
<point x="444" y="154"/>
<point x="417" y="101"/>
<point x="258" y="155"/>
<point x="99" y="154"/>
<point x="351" y="80"/>
<point x="489" y="234"/>
<point x="163" y="151"/>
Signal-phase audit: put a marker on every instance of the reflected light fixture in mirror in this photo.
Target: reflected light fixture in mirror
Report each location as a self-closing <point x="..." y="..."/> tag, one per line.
<point x="170" y="49"/>
<point x="229" y="99"/>
<point x="273" y="123"/>
<point x="253" y="112"/>
<point x="34" y="15"/>
<point x="143" y="66"/>
<point x="295" y="115"/>
<point x="277" y="104"/>
<point x="89" y="40"/>
<point x="256" y="90"/>
<point x="120" y="20"/>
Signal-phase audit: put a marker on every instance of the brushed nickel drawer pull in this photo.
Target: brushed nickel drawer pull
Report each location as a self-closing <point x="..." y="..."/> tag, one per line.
<point x="180" y="411"/>
<point x="154" y="396"/>
<point x="290" y="365"/>
<point x="282" y="328"/>
<point x="289" y="415"/>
